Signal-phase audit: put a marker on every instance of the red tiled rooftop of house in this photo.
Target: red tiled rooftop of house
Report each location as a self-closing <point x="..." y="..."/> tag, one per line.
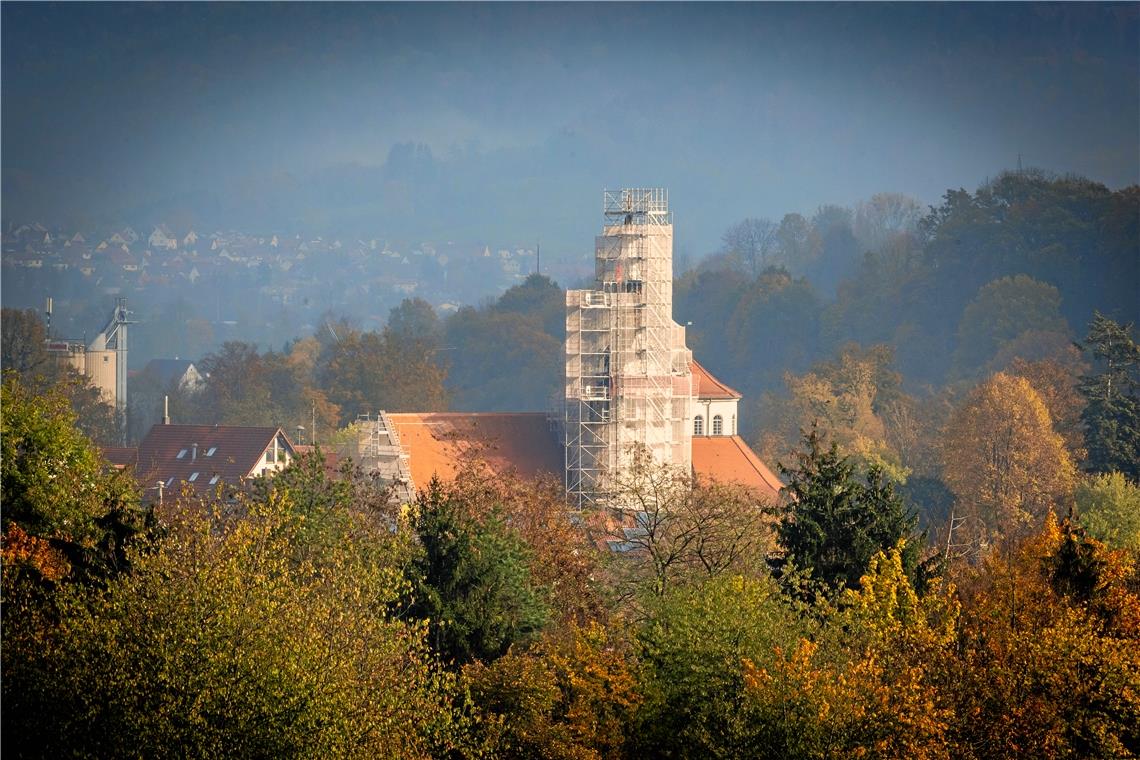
<point x="120" y="457"/>
<point x="230" y="452"/>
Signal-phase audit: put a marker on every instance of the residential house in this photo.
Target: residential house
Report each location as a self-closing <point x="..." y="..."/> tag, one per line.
<point x="170" y="373"/>
<point x="205" y="457"/>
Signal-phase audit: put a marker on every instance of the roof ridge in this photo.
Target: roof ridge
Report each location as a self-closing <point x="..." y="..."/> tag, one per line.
<point x="703" y="373"/>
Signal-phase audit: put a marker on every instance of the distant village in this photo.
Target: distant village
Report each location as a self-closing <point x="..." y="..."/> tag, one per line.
<point x="265" y="287"/>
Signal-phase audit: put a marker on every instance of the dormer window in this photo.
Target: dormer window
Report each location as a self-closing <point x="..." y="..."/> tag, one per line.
<point x="698" y="425"/>
<point x="718" y="425"/>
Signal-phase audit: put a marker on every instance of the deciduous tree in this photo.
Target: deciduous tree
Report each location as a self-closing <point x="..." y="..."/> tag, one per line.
<point x="1002" y="458"/>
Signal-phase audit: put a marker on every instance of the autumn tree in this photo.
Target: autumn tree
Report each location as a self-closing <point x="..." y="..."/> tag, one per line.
<point x="846" y="398"/>
<point x="1056" y="381"/>
<point x="884" y="216"/>
<point x="397" y="369"/>
<point x="838" y="249"/>
<point x="64" y="514"/>
<point x="1048" y="654"/>
<point x="799" y="242"/>
<point x="865" y="684"/>
<point x="1112" y="413"/>
<point x="572" y="695"/>
<point x="753" y="243"/>
<point x="220" y="643"/>
<point x="669" y="530"/>
<point x="24" y="343"/>
<point x="1002" y="458"/>
<point x="1003" y="310"/>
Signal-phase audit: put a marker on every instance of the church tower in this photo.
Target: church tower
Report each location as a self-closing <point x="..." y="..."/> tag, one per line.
<point x="628" y="377"/>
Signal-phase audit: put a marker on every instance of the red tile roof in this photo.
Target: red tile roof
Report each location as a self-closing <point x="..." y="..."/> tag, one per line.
<point x="728" y="459"/>
<point x="707" y="386"/>
<point x="332" y="459"/>
<point x="437" y="443"/>
<point x="236" y="451"/>
<point x="120" y="457"/>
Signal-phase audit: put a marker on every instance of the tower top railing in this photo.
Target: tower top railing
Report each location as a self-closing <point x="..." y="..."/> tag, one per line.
<point x="636" y="205"/>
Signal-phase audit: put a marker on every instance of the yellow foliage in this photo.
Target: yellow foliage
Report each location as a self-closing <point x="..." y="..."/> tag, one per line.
<point x="1002" y="458"/>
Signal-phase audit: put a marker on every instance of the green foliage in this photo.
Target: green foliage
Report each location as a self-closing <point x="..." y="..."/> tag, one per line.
<point x="25" y="355"/>
<point x="504" y="359"/>
<point x="750" y="329"/>
<point x="692" y="651"/>
<point x="1066" y="232"/>
<point x="1108" y="506"/>
<point x="835" y="522"/>
<point x="1112" y="412"/>
<point x="219" y="643"/>
<point x="56" y="488"/>
<point x="471" y="581"/>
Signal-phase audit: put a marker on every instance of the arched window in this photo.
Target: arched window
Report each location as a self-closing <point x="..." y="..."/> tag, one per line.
<point x="718" y="425"/>
<point x="698" y="425"/>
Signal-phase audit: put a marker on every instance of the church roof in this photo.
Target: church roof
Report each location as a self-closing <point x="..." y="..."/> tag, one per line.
<point x="728" y="459"/>
<point x="707" y="386"/>
<point x="438" y="443"/>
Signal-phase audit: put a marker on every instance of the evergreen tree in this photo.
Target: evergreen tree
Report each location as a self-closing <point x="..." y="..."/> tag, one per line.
<point x="471" y="580"/>
<point x="1112" y="414"/>
<point x="835" y="522"/>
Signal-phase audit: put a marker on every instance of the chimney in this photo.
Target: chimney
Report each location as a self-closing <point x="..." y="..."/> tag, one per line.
<point x="194" y="452"/>
<point x="166" y="410"/>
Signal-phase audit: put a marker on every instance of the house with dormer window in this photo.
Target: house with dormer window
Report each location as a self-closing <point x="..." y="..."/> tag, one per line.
<point x="208" y="456"/>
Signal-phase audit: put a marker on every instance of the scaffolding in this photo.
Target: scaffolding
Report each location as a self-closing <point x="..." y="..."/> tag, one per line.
<point x="628" y="382"/>
<point x="378" y="451"/>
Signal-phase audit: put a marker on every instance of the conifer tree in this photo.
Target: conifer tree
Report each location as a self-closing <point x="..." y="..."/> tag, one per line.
<point x="1112" y="414"/>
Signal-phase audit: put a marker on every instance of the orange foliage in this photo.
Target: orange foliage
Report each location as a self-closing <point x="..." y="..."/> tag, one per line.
<point x="23" y="550"/>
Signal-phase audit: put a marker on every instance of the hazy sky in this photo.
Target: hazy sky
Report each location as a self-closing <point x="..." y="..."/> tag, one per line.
<point x="287" y="113"/>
